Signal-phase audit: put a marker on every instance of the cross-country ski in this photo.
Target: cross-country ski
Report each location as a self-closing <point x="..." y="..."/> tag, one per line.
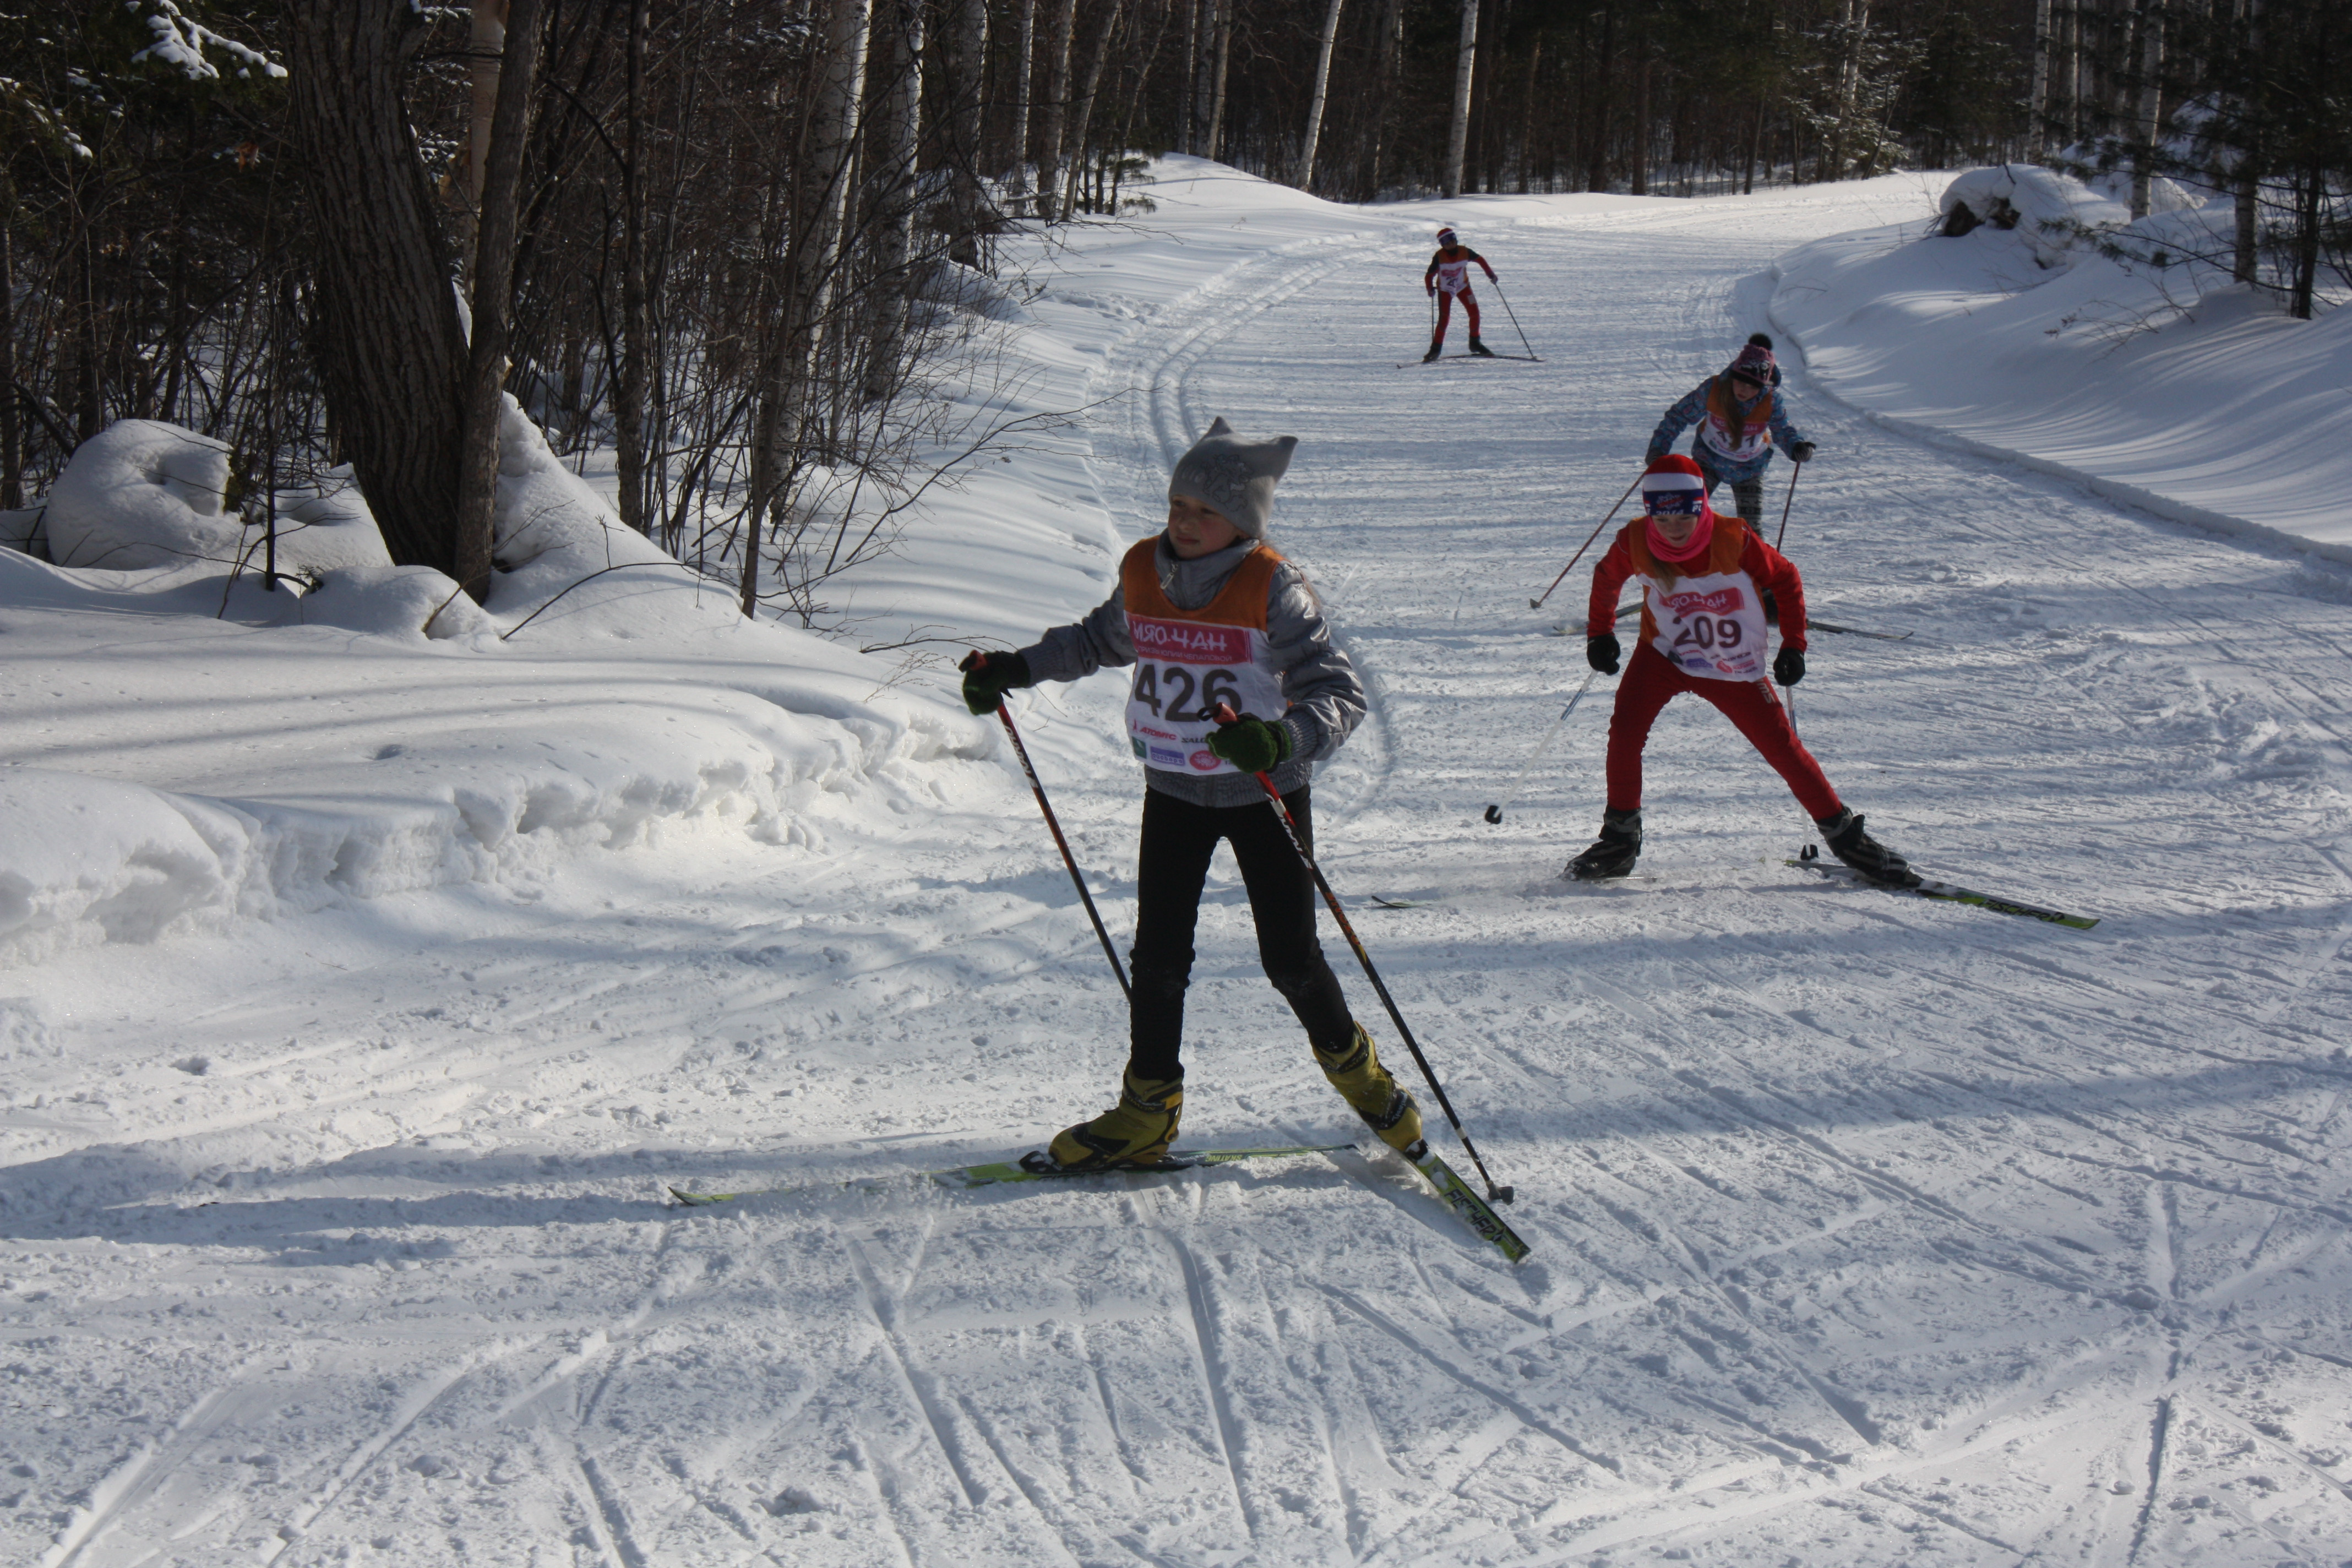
<point x="762" y="803"/>
<point x="1031" y="1167"/>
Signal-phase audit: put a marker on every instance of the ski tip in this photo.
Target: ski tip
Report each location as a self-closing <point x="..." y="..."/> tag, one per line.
<point x="698" y="1200"/>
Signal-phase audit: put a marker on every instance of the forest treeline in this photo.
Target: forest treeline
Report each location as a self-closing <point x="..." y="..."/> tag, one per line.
<point x="730" y="241"/>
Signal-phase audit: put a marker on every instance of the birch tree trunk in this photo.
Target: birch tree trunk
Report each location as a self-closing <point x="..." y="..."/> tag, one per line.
<point x="2151" y="103"/>
<point x="1059" y="23"/>
<point x="485" y="47"/>
<point x="820" y="207"/>
<point x="391" y="353"/>
<point x="1188" y="117"/>
<point x="1315" y="104"/>
<point x="896" y="141"/>
<point x="1392" y="43"/>
<point x="1083" y="112"/>
<point x="1224" y="14"/>
<point x="1638" y="175"/>
<point x="1466" y="59"/>
<point x="967" y="201"/>
<point x="2038" y="103"/>
<point x="493" y="300"/>
<point x="1023" y="84"/>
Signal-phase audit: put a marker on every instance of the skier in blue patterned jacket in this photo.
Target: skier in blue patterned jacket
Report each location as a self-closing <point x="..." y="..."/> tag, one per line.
<point x="1741" y="415"/>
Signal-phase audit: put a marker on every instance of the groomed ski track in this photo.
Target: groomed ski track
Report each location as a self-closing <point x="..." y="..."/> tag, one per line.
<point x="1865" y="1230"/>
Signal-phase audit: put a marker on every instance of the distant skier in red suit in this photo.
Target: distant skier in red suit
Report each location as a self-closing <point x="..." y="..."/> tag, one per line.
<point x="1449" y="275"/>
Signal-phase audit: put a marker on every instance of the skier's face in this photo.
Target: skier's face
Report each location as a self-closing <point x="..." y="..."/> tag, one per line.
<point x="1196" y="529"/>
<point x="1745" y="390"/>
<point x="1675" y="527"/>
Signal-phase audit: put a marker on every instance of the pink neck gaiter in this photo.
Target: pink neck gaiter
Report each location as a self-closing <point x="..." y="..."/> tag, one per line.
<point x="1692" y="548"/>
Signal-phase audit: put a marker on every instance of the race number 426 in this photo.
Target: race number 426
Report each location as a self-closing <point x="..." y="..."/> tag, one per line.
<point x="1173" y="693"/>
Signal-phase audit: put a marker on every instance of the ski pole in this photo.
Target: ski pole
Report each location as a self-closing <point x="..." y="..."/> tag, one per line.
<point x="1538" y="604"/>
<point x="1038" y="788"/>
<point x="1225" y="715"/>
<point x="1795" y="469"/>
<point x="1506" y="298"/>
<point x="1494" y="812"/>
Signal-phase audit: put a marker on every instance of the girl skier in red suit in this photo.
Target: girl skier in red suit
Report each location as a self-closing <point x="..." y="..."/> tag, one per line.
<point x="1704" y="579"/>
<point x="1448" y="276"/>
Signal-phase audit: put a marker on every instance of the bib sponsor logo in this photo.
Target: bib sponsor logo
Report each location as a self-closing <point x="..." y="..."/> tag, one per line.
<point x="1188" y="642"/>
<point x="1166" y="757"/>
<point x="1204" y="761"/>
<point x="1722" y="601"/>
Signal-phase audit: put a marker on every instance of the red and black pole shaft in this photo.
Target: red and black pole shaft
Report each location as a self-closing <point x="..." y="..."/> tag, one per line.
<point x="1538" y="604"/>
<point x="1038" y="789"/>
<point x="1225" y="715"/>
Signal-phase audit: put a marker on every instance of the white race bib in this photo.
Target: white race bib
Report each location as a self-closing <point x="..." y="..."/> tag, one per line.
<point x="1453" y="276"/>
<point x="1182" y="670"/>
<point x="1712" y="627"/>
<point x="1743" y="446"/>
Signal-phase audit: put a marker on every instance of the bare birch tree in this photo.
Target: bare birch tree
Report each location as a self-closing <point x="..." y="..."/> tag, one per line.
<point x="1466" y="59"/>
<point x="1315" y="103"/>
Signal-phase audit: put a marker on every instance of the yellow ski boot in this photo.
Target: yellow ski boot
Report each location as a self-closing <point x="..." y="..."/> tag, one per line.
<point x="1134" y="1133"/>
<point x="1372" y="1092"/>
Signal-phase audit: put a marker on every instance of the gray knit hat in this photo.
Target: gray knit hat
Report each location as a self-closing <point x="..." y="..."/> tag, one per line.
<point x="1235" y="476"/>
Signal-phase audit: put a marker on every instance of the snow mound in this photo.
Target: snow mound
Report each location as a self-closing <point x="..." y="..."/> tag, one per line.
<point x="332" y="531"/>
<point x="2110" y="351"/>
<point x="142" y="493"/>
<point x="414" y="602"/>
<point x="86" y="859"/>
<point x="556" y="539"/>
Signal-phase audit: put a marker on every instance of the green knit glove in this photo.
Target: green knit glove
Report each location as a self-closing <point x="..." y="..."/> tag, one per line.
<point x="987" y="677"/>
<point x="1252" y="744"/>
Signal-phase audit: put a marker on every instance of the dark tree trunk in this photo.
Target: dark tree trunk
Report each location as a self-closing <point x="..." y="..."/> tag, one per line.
<point x="637" y="508"/>
<point x="390" y="351"/>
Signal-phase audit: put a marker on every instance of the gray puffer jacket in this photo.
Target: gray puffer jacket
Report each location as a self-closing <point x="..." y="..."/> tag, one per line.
<point x="1326" y="700"/>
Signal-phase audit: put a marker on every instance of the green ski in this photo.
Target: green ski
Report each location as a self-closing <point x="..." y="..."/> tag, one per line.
<point x="1475" y="1212"/>
<point x="965" y="1177"/>
<point x="1928" y="888"/>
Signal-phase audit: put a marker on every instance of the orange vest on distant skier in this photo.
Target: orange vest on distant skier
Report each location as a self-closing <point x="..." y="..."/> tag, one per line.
<point x="1188" y="661"/>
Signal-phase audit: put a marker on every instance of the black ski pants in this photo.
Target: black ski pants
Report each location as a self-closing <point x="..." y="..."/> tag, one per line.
<point x="1173" y="865"/>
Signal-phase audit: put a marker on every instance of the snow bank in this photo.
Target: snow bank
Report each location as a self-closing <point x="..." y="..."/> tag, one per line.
<point x="2085" y="345"/>
<point x="187" y="748"/>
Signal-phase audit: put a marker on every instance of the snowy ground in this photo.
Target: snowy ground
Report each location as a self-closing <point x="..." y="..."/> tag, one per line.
<point x="1866" y="1230"/>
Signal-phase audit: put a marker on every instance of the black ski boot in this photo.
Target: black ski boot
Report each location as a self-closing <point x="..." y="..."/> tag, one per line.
<point x="1481" y="350"/>
<point x="1867" y="855"/>
<point x="1613" y="853"/>
<point x="1434" y="350"/>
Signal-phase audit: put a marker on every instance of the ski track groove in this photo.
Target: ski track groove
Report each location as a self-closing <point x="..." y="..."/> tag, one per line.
<point x="1210" y="1368"/>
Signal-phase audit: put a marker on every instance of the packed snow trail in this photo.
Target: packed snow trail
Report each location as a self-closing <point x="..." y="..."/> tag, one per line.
<point x="1866" y="1230"/>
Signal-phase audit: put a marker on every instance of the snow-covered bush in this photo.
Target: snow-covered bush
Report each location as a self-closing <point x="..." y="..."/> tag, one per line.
<point x="142" y="493"/>
<point x="2049" y="211"/>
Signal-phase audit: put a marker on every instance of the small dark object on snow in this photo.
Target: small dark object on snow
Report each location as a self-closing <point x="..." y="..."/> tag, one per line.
<point x="1495" y="812"/>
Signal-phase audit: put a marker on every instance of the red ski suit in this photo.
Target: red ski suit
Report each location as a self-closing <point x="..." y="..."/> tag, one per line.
<point x="1736" y="565"/>
<point x="1448" y="275"/>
